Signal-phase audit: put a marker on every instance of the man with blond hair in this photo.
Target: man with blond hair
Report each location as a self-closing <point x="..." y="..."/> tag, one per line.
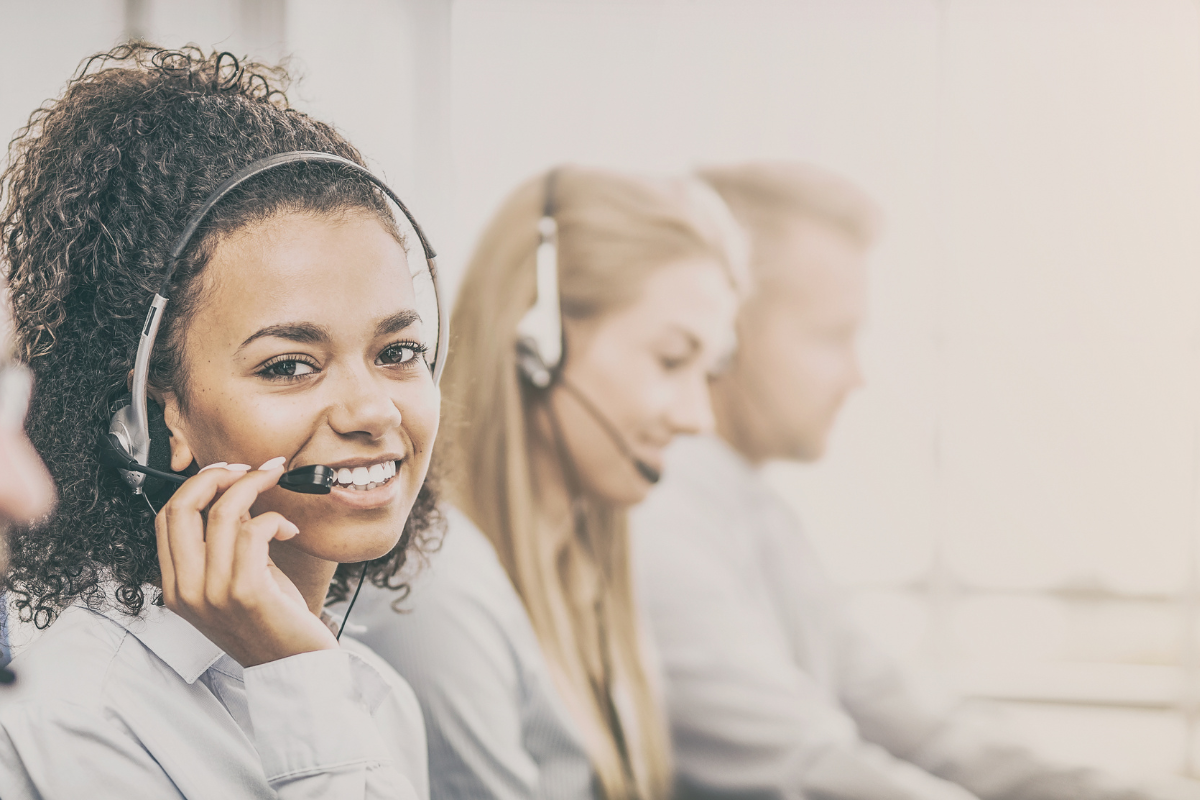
<point x="771" y="691"/>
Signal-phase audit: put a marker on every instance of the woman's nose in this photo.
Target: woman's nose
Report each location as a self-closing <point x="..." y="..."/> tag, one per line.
<point x="363" y="405"/>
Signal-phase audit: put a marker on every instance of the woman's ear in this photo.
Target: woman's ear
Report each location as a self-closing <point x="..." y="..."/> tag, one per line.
<point x="181" y="450"/>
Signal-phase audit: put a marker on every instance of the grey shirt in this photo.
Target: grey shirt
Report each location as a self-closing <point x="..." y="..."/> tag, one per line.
<point x="464" y="642"/>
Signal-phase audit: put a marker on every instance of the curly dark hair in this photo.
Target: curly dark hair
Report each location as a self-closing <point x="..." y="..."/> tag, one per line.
<point x="99" y="184"/>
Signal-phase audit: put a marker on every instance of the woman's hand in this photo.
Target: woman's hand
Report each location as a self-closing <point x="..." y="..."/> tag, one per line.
<point x="217" y="571"/>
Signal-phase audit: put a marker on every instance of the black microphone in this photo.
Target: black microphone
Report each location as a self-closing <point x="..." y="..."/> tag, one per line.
<point x="649" y="473"/>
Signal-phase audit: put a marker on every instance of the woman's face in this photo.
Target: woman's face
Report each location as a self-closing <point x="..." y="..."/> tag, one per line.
<point x="305" y="343"/>
<point x="646" y="367"/>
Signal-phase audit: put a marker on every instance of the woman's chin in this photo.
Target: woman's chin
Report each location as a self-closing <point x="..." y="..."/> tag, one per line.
<point x="350" y="525"/>
<point x="349" y="543"/>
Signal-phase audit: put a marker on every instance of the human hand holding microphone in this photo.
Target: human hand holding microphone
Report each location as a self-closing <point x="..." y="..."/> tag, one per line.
<point x="217" y="571"/>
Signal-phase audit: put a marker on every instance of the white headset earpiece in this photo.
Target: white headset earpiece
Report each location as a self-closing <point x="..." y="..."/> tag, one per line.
<point x="539" y="333"/>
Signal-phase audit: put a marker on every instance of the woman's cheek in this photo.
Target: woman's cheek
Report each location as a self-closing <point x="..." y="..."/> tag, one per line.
<point x="273" y="426"/>
<point x="420" y="413"/>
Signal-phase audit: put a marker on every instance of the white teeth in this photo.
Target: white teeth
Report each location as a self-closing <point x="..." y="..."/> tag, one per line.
<point x="366" y="478"/>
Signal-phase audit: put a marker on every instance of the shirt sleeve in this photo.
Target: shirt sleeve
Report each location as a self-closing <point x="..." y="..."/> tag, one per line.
<point x="315" y="734"/>
<point x="746" y="719"/>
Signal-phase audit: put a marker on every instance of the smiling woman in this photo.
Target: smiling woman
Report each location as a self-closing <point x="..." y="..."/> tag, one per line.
<point x="190" y="655"/>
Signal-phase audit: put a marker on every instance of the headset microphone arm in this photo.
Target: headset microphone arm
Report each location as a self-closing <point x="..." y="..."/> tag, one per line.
<point x="309" y="479"/>
<point x="649" y="473"/>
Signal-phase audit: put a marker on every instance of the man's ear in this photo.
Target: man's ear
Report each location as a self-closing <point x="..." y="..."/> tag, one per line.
<point x="181" y="450"/>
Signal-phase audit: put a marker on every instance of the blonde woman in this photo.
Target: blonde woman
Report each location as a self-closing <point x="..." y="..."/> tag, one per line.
<point x="522" y="640"/>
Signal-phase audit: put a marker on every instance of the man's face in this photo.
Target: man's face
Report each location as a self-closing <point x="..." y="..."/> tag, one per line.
<point x="797" y="360"/>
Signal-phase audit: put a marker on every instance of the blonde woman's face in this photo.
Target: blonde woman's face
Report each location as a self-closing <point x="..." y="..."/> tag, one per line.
<point x="646" y="368"/>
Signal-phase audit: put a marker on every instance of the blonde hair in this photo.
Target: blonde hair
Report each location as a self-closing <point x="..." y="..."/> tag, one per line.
<point x="766" y="195"/>
<point x="613" y="231"/>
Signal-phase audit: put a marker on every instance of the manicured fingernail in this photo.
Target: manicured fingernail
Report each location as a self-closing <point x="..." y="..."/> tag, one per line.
<point x="274" y="463"/>
<point x="238" y="467"/>
<point x="291" y="526"/>
<point x="213" y="466"/>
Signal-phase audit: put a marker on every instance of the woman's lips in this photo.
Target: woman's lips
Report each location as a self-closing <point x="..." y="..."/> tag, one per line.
<point x="378" y="497"/>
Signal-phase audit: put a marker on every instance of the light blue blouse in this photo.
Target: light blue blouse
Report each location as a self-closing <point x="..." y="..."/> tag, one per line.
<point x="464" y="642"/>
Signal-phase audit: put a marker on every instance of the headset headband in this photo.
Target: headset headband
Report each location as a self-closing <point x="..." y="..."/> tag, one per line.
<point x="131" y="425"/>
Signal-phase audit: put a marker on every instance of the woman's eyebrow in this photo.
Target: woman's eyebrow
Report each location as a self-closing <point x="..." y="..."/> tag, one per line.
<point x="303" y="332"/>
<point x="397" y="322"/>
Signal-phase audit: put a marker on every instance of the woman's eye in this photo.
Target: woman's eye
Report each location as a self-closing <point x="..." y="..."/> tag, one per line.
<point x="672" y="363"/>
<point x="287" y="368"/>
<point x="402" y="353"/>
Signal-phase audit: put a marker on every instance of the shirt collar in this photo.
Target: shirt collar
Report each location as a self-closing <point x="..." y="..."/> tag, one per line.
<point x="170" y="637"/>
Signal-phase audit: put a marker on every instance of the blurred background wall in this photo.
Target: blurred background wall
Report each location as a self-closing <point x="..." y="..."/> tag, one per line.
<point x="1012" y="502"/>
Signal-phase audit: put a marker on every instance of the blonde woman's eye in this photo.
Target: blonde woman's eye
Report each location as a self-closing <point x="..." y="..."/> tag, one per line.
<point x="672" y="363"/>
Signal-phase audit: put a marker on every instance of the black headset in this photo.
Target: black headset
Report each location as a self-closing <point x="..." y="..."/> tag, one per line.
<point x="137" y="442"/>
<point x="540" y="333"/>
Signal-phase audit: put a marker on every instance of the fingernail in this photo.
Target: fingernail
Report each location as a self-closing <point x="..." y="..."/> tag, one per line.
<point x="274" y="463"/>
<point x="237" y="467"/>
<point x="292" y="526"/>
<point x="213" y="466"/>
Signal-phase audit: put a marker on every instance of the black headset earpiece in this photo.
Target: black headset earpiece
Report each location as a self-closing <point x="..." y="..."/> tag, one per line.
<point x="160" y="453"/>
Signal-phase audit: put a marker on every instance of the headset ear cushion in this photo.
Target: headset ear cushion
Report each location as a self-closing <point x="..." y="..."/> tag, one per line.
<point x="160" y="452"/>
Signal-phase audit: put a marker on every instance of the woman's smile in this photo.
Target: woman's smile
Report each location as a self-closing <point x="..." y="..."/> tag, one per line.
<point x="367" y="484"/>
